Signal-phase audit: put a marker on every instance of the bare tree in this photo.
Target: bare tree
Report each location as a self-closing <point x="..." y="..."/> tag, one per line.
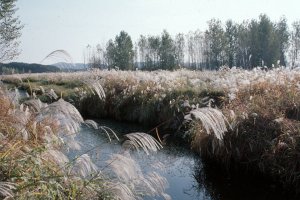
<point x="179" y="49"/>
<point x="142" y="43"/>
<point x="295" y="43"/>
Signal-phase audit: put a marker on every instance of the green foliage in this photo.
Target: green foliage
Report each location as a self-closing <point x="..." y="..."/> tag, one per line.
<point x="167" y="52"/>
<point x="267" y="49"/>
<point x="247" y="45"/>
<point x="161" y="52"/>
<point x="215" y="35"/>
<point x="231" y="44"/>
<point x="10" y="28"/>
<point x="152" y="57"/>
<point x="283" y="36"/>
<point x="120" y="52"/>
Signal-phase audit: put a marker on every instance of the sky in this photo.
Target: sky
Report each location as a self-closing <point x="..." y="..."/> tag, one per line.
<point x="72" y="25"/>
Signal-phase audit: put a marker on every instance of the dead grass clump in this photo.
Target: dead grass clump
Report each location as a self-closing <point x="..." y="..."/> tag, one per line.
<point x="265" y="134"/>
<point x="31" y="164"/>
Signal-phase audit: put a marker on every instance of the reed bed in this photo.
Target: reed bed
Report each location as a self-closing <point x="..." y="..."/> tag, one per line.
<point x="33" y="138"/>
<point x="238" y="118"/>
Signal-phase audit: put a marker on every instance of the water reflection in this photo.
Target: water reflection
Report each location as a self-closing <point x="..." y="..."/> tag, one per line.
<point x="175" y="164"/>
<point x="221" y="184"/>
<point x="189" y="177"/>
<point x="177" y="167"/>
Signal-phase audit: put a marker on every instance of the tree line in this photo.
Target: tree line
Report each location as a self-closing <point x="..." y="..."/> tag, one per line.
<point x="248" y="44"/>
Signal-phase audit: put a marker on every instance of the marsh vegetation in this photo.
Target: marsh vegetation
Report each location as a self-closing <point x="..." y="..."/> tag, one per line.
<point x="34" y="139"/>
<point x="239" y="119"/>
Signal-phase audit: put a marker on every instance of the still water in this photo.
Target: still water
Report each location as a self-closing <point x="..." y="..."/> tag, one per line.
<point x="188" y="177"/>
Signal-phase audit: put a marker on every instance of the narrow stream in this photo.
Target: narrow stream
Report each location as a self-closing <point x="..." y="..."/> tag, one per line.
<point x="188" y="178"/>
<point x="176" y="165"/>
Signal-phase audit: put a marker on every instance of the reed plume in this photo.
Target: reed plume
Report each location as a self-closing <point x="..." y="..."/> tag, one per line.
<point x="212" y="120"/>
<point x="6" y="189"/>
<point x="142" y="140"/>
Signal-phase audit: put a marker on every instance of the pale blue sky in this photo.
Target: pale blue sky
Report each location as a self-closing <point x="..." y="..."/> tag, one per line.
<point x="73" y="24"/>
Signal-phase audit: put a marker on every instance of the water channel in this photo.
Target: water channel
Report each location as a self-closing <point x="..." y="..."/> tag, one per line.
<point x="188" y="177"/>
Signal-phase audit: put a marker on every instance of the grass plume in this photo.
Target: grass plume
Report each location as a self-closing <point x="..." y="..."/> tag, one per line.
<point x="212" y="120"/>
<point x="142" y="140"/>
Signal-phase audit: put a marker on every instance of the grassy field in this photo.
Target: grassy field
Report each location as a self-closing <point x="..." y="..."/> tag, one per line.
<point x="237" y="118"/>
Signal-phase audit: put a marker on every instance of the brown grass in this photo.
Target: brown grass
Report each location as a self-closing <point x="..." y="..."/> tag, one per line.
<point x="265" y="136"/>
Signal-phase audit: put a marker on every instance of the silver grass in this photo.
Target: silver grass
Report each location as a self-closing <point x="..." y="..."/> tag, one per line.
<point x="95" y="87"/>
<point x="21" y="131"/>
<point x="166" y="196"/>
<point x="56" y="156"/>
<point x="120" y="191"/>
<point x="143" y="140"/>
<point x="6" y="189"/>
<point x="129" y="172"/>
<point x="14" y="96"/>
<point x="63" y="107"/>
<point x="35" y="104"/>
<point x="90" y="191"/>
<point x="109" y="131"/>
<point x="34" y="132"/>
<point x="71" y="142"/>
<point x="124" y="167"/>
<point x="59" y="55"/>
<point x="25" y="135"/>
<point x="21" y="115"/>
<point x="48" y="130"/>
<point x="159" y="166"/>
<point x="91" y="123"/>
<point x="212" y="120"/>
<point x="65" y="113"/>
<point x="68" y="139"/>
<point x="155" y="185"/>
<point x="67" y="118"/>
<point x="52" y="94"/>
<point x="49" y="136"/>
<point x="22" y="107"/>
<point x="163" y="81"/>
<point x="42" y="89"/>
<point x="158" y="182"/>
<point x="84" y="166"/>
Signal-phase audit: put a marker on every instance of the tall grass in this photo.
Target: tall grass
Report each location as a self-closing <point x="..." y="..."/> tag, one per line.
<point x="33" y="165"/>
<point x="211" y="119"/>
<point x="261" y="107"/>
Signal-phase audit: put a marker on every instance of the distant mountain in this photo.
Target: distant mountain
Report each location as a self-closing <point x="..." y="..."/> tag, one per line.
<point x="70" y="66"/>
<point x="19" y="67"/>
